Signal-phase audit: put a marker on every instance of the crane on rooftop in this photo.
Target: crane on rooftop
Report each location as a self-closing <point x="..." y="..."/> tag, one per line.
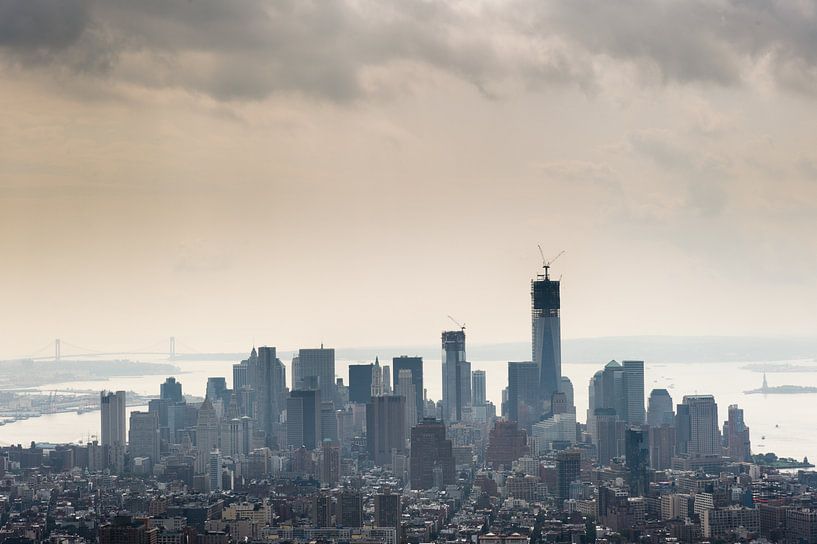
<point x="460" y="325"/>
<point x="546" y="263"/>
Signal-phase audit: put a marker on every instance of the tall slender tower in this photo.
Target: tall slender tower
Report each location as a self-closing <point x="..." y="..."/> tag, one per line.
<point x="456" y="376"/>
<point x="546" y="332"/>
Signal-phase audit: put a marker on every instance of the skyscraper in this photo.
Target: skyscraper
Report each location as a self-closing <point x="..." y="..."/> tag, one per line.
<point x="430" y="450"/>
<point x="704" y="432"/>
<point x="662" y="446"/>
<point x="568" y="470"/>
<point x="523" y="393"/>
<point x="387" y="511"/>
<point x="112" y="408"/>
<point x="659" y="411"/>
<point x="406" y="389"/>
<point x="478" y="387"/>
<point x="415" y="365"/>
<point x="304" y="419"/>
<point x="506" y="443"/>
<point x="207" y="435"/>
<point x="319" y="363"/>
<point x="546" y="333"/>
<point x="217" y="390"/>
<point x="360" y="383"/>
<point x="385" y="427"/>
<point x="456" y="377"/>
<point x="634" y="392"/>
<point x="214" y="475"/>
<point x="637" y="459"/>
<point x="143" y="435"/>
<point x="350" y="509"/>
<point x="736" y="435"/>
<point x="171" y="390"/>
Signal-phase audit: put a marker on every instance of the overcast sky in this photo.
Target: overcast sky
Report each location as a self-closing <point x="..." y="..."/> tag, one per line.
<point x="351" y="172"/>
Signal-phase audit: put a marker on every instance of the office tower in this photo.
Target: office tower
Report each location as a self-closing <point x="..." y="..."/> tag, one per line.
<point x="595" y="397"/>
<point x="270" y="382"/>
<point x="506" y="443"/>
<point x="637" y="458"/>
<point x="682" y="429"/>
<point x="634" y="392"/>
<point x="456" y="373"/>
<point x="322" y="511"/>
<point x="736" y="435"/>
<point x="350" y="509"/>
<point x="123" y="529"/>
<point x="613" y="393"/>
<point x="231" y="438"/>
<point x="704" y="433"/>
<point x="566" y="387"/>
<point x="319" y="363"/>
<point x="406" y="389"/>
<point x="430" y="450"/>
<point x="385" y="428"/>
<point x="568" y="470"/>
<point x="214" y="476"/>
<point x="171" y="390"/>
<point x="387" y="380"/>
<point x="523" y="393"/>
<point x="377" y="379"/>
<point x="329" y="421"/>
<point x="207" y="434"/>
<point x="546" y="333"/>
<point x="662" y="446"/>
<point x="342" y="392"/>
<point x="559" y="404"/>
<point x="217" y="390"/>
<point x="415" y="365"/>
<point x="360" y="383"/>
<point x="143" y="435"/>
<point x="112" y="406"/>
<point x="478" y="387"/>
<point x="659" y="411"/>
<point x="387" y="512"/>
<point x="606" y="424"/>
<point x="304" y="419"/>
<point x="330" y="463"/>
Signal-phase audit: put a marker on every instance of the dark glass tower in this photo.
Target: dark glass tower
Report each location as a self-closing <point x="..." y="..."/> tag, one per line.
<point x="546" y="333"/>
<point x="456" y="377"/>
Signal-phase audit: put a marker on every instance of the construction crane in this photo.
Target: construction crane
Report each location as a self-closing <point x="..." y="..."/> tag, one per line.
<point x="460" y="325"/>
<point x="546" y="263"/>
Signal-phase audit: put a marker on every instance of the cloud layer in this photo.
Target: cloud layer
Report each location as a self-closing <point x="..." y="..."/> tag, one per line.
<point x="251" y="49"/>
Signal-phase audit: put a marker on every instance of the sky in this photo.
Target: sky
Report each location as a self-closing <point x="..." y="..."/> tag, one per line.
<point x="352" y="172"/>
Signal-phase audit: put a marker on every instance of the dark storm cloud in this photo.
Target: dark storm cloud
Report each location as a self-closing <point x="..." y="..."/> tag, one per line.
<point x="249" y="49"/>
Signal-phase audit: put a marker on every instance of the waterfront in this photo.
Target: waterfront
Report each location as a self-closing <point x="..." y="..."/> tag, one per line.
<point x="784" y="420"/>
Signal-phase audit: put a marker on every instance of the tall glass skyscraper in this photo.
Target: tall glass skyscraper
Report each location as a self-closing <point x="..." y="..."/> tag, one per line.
<point x="546" y="333"/>
<point x="456" y="377"/>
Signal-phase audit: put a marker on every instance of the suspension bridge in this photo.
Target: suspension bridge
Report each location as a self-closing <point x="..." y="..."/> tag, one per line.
<point x="60" y="350"/>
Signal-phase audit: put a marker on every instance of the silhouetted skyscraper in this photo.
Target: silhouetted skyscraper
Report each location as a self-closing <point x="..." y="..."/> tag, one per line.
<point x="171" y="390"/>
<point x="546" y="333"/>
<point x="568" y="470"/>
<point x="360" y="383"/>
<point x="415" y="365"/>
<point x="350" y="509"/>
<point x="387" y="511"/>
<point x="304" y="419"/>
<point x="637" y="458"/>
<point x="385" y="427"/>
<point x="430" y="450"/>
<point x="456" y="377"/>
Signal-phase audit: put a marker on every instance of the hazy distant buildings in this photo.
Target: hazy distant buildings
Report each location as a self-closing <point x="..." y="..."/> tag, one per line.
<point x="456" y="373"/>
<point x="406" y="389"/>
<point x="112" y="411"/>
<point x="506" y="443"/>
<point x="634" y="392"/>
<point x="546" y="333"/>
<point x="415" y="365"/>
<point x="143" y="435"/>
<point x="431" y="452"/>
<point x="259" y="385"/>
<point x="207" y="435"/>
<point x="660" y="410"/>
<point x="568" y="470"/>
<point x="478" y="387"/>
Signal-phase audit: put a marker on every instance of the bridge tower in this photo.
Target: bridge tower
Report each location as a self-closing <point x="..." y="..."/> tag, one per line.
<point x="57" y="350"/>
<point x="172" y="348"/>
